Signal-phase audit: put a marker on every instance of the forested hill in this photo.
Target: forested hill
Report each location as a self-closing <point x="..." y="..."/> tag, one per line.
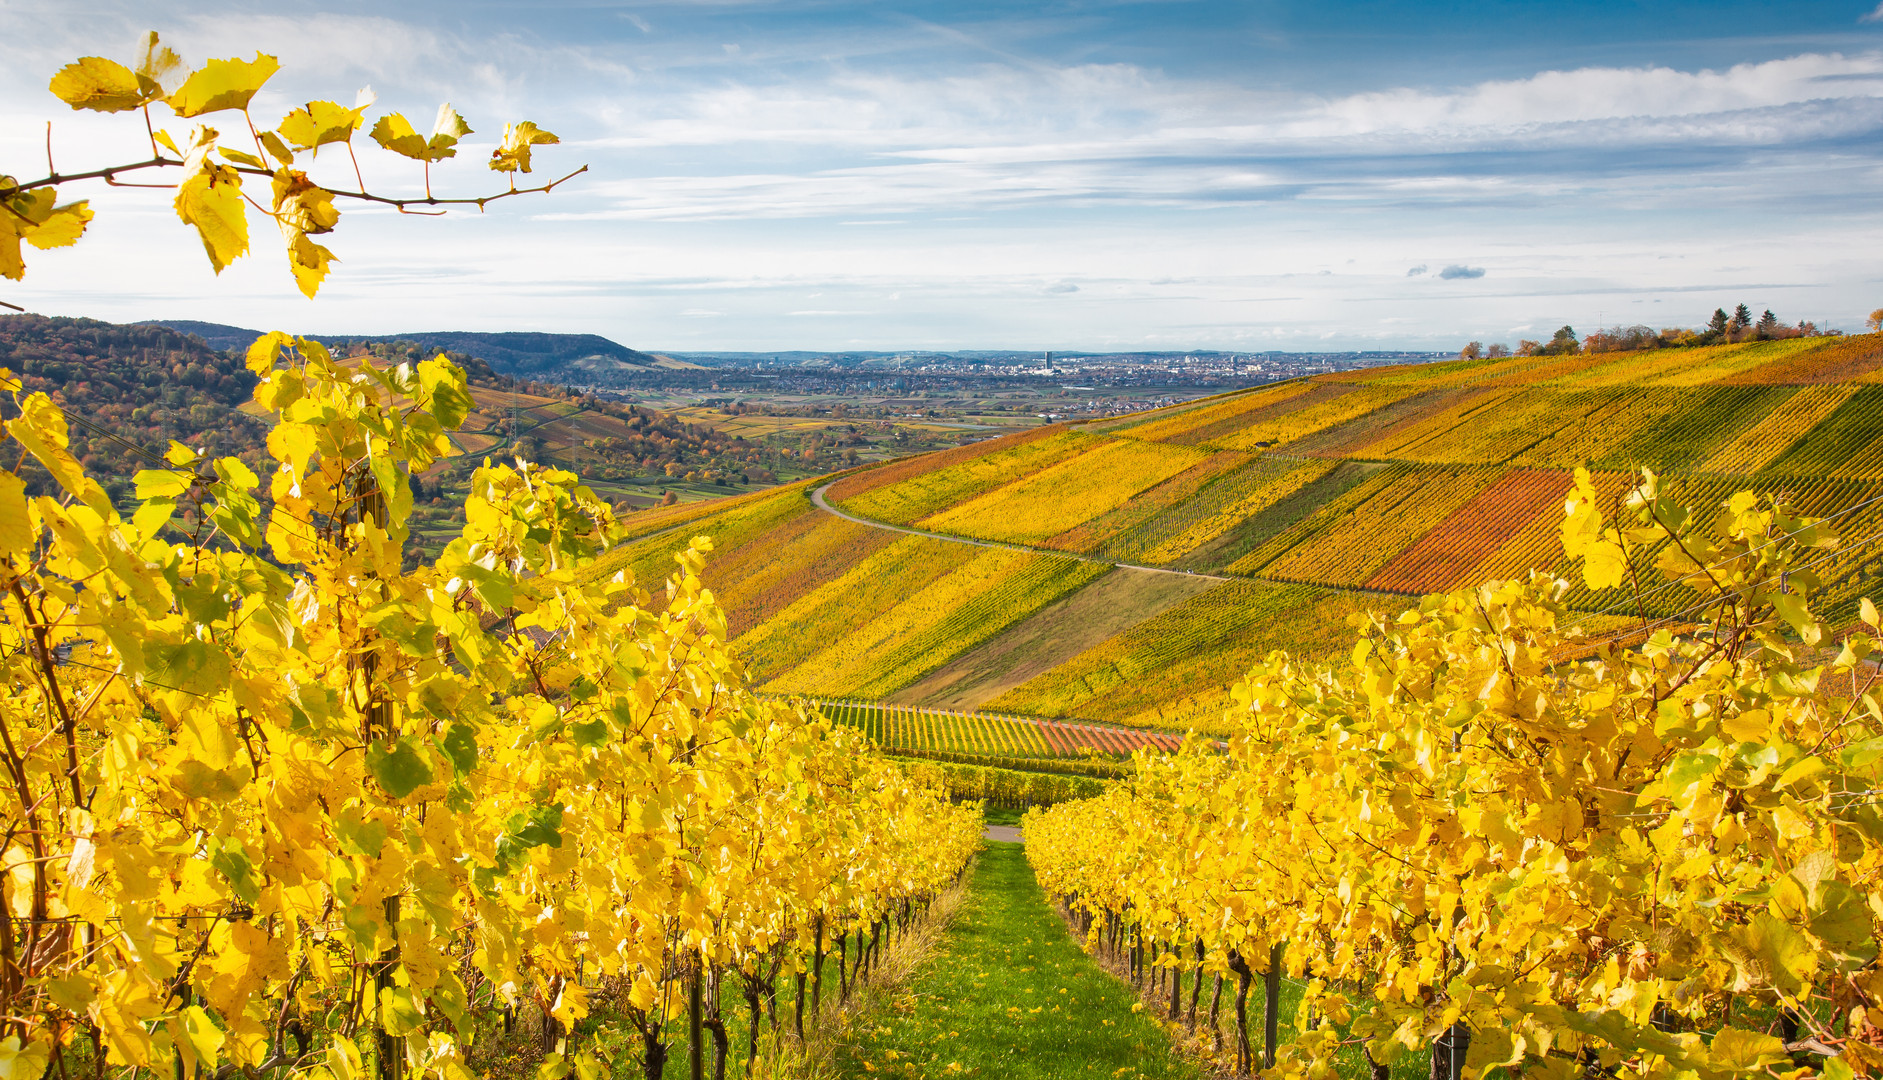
<point x="580" y="358"/>
<point x="145" y="385"/>
<point x="130" y="390"/>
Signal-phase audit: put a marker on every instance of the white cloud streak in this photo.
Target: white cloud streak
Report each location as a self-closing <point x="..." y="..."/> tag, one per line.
<point x="1093" y="135"/>
<point x="1010" y="200"/>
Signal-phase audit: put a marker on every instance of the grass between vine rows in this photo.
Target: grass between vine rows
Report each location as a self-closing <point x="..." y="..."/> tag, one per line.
<point x="1004" y="815"/>
<point x="1010" y="995"/>
<point x="1217" y="1055"/>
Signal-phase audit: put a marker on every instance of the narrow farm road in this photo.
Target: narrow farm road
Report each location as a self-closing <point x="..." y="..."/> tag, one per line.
<point x="1009" y="995"/>
<point x="817" y="497"/>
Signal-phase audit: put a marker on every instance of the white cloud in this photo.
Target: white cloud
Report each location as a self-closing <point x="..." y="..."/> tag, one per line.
<point x="1190" y="211"/>
<point x="1586" y="94"/>
<point x="1097" y="109"/>
<point x="1114" y="134"/>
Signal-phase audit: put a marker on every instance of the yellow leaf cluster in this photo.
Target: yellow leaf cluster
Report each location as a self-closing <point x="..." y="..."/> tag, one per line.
<point x="1631" y="861"/>
<point x="209" y="196"/>
<point x="276" y="798"/>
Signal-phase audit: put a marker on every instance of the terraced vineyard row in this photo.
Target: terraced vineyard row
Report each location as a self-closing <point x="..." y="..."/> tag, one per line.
<point x="1457" y="546"/>
<point x="1784" y="425"/>
<point x="954" y="612"/>
<point x="1068" y="493"/>
<point x="907" y="501"/>
<point x="991" y="735"/>
<point x="1323" y="494"/>
<point x="1846" y="443"/>
<point x="1116" y="533"/>
<point x="1219" y="509"/>
<point x="1173" y="670"/>
<point x="1400" y="509"/>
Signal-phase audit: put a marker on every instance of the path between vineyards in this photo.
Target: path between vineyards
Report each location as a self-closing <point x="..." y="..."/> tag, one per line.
<point x="1009" y="994"/>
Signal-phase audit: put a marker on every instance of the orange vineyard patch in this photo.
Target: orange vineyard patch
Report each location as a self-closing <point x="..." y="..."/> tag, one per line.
<point x="1443" y="557"/>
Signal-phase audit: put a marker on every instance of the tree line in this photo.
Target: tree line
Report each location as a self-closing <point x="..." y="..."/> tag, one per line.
<point x="1721" y="329"/>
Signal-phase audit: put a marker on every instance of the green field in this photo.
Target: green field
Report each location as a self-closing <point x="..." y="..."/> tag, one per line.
<point x="1009" y="995"/>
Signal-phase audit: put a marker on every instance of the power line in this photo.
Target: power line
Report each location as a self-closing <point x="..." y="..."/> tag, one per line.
<point x="1715" y="601"/>
<point x="1734" y="558"/>
<point x="161" y="463"/>
<point x="108" y="671"/>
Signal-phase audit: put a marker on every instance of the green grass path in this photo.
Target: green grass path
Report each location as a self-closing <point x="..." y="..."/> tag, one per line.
<point x="1008" y="994"/>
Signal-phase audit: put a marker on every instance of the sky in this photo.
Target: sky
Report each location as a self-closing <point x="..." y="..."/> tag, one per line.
<point x="1079" y="175"/>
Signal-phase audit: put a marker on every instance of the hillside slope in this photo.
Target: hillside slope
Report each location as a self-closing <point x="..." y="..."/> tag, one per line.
<point x="1314" y="499"/>
<point x="557" y="357"/>
<point x="129" y="390"/>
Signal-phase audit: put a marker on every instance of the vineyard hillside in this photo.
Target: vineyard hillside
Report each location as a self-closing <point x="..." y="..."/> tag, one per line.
<point x="130" y="390"/>
<point x="1127" y="571"/>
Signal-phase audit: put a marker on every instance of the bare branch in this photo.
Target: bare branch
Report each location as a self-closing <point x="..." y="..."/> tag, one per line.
<point x="97" y="174"/>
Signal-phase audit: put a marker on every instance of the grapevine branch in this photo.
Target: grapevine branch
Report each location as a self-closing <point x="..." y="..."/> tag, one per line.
<point x="109" y="174"/>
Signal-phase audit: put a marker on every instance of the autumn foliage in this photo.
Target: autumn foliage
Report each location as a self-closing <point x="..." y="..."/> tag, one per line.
<point x="281" y="803"/>
<point x="1660" y="860"/>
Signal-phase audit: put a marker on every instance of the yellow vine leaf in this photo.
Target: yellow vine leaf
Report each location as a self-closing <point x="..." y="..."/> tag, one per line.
<point x="1604" y="563"/>
<point x="98" y="84"/>
<point x="16" y="533"/>
<point x="265" y="350"/>
<point x="309" y="262"/>
<point x="318" y="123"/>
<point x="40" y="428"/>
<point x="1737" y="1050"/>
<point x="1792" y="608"/>
<point x="302" y="208"/>
<point x="159" y="68"/>
<point x="514" y="154"/>
<point x="62" y="227"/>
<point x="644" y="993"/>
<point x="26" y="1061"/>
<point x="32" y="217"/>
<point x="343" y="1059"/>
<point x="201" y="1039"/>
<point x="394" y="132"/>
<point x="223" y="84"/>
<point x="399" y="1011"/>
<point x="211" y="200"/>
<point x="571" y="1005"/>
<point x="12" y="266"/>
<point x="276" y="148"/>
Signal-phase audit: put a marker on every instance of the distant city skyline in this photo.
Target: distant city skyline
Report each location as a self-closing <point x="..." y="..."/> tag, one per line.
<point x="1071" y="176"/>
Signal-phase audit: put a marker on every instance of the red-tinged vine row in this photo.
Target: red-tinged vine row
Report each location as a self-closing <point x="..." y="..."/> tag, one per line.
<point x="922" y="729"/>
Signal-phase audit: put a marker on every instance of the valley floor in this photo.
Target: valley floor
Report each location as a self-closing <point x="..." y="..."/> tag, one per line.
<point x="1009" y="994"/>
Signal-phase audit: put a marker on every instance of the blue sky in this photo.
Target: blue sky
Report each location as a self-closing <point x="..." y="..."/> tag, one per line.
<point x="1070" y="175"/>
